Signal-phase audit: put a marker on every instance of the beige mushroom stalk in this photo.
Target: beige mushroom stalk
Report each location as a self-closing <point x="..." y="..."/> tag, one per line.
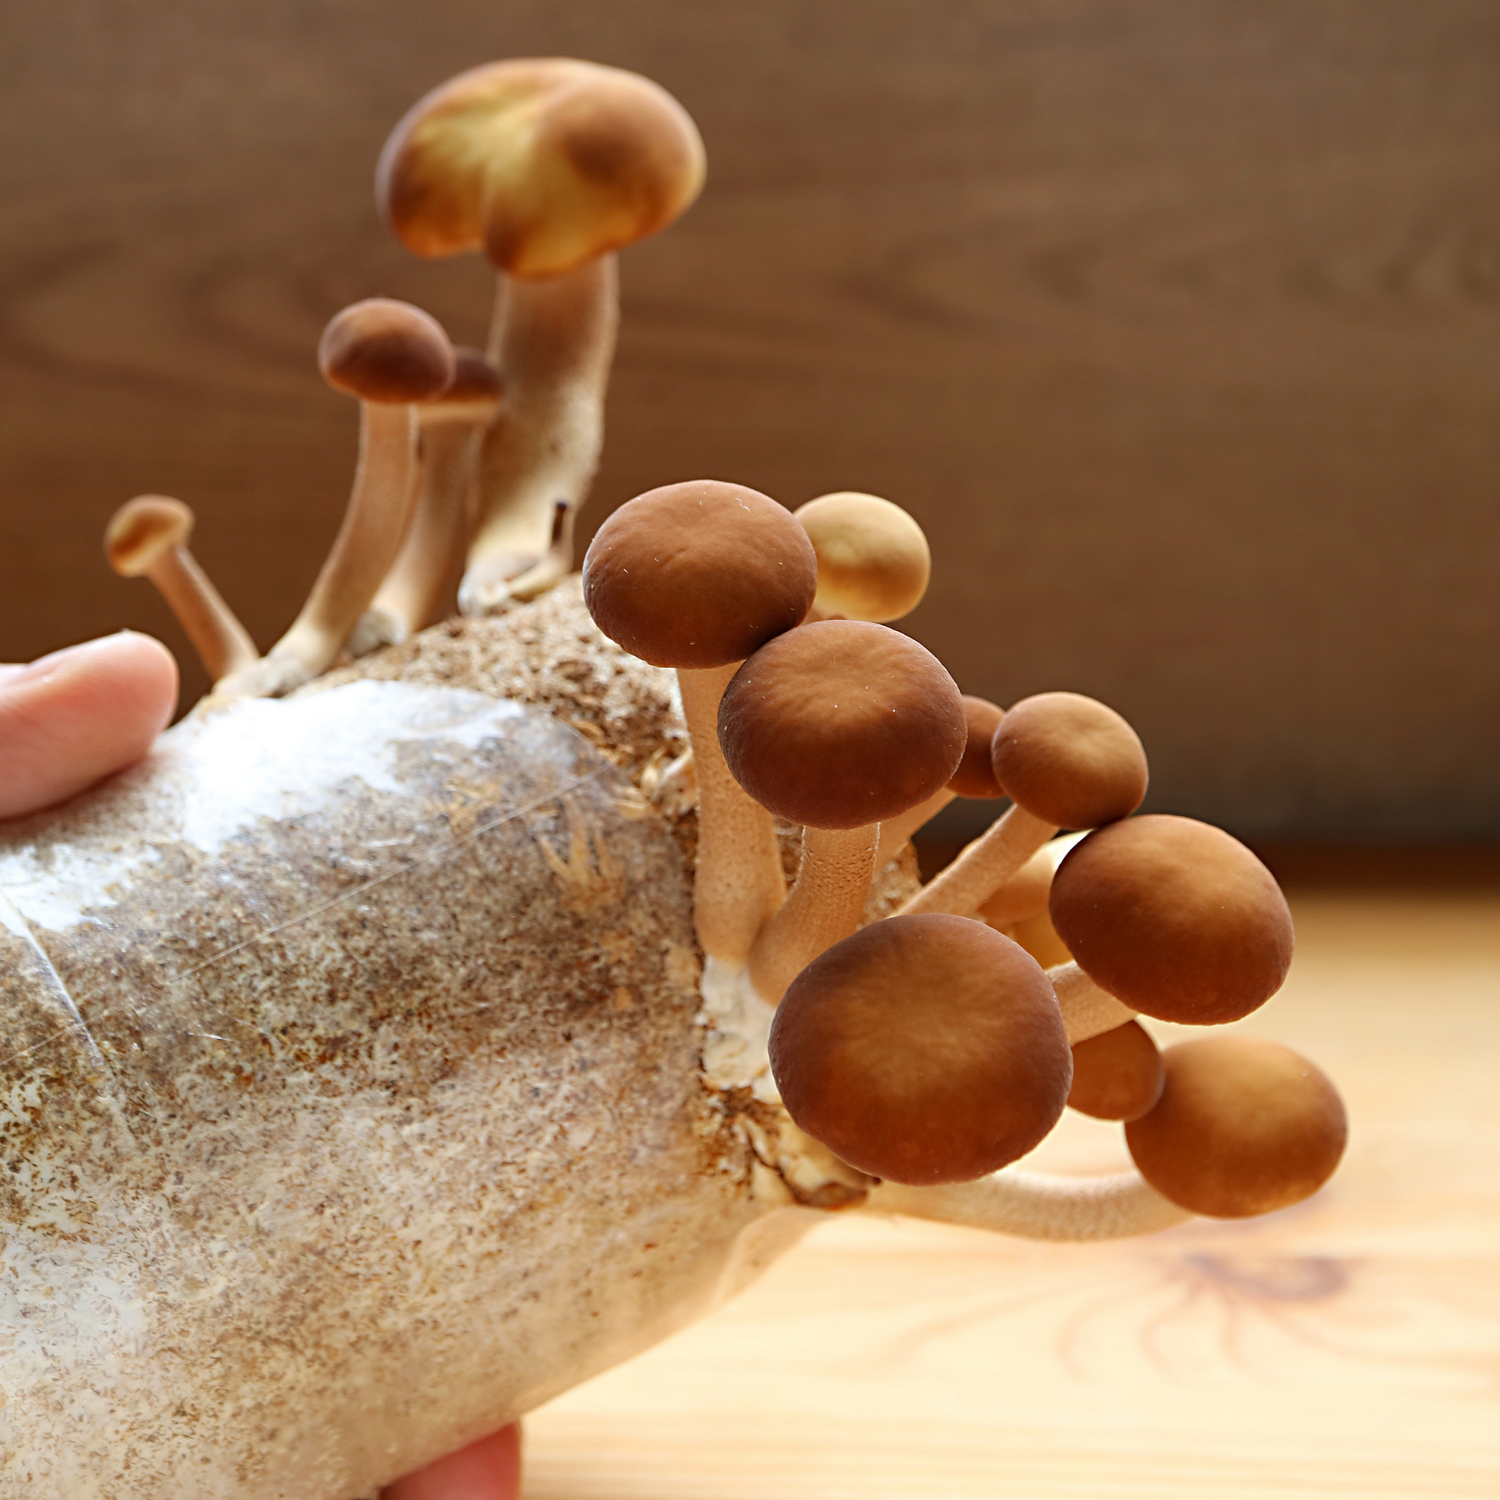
<point x="1065" y="761"/>
<point x="549" y="165"/>
<point x="698" y="576"/>
<point x="149" y="535"/>
<point x="836" y="725"/>
<point x="422" y="587"/>
<point x="390" y="355"/>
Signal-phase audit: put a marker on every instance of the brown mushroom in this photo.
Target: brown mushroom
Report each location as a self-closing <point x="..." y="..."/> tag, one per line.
<point x="873" y="561"/>
<point x="549" y="165"/>
<point x="922" y="1049"/>
<point x="1175" y="918"/>
<point x="149" y="535"/>
<point x="390" y="355"/>
<point x="974" y="777"/>
<point x="1243" y="1127"/>
<point x="837" y="725"/>
<point x="698" y="576"/>
<point x="422" y="587"/>
<point x="1117" y="1075"/>
<point x="1065" y="761"/>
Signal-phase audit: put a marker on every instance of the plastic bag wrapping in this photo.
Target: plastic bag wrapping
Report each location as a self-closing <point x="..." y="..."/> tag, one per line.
<point x="348" y="1099"/>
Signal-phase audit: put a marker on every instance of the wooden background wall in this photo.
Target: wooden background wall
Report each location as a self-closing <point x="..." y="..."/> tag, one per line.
<point x="1176" y="323"/>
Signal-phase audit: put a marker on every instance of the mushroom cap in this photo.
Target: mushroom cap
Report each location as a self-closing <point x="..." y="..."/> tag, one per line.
<point x="698" y="574"/>
<point x="975" y="776"/>
<point x="1117" y="1075"/>
<point x="873" y="561"/>
<point x="1069" y="760"/>
<point x="1175" y="918"/>
<point x="143" y="530"/>
<point x="472" y="396"/>
<point x="387" y="352"/>
<point x="1243" y="1127"/>
<point x="924" y="1049"/>
<point x="544" y="163"/>
<point x="841" y="724"/>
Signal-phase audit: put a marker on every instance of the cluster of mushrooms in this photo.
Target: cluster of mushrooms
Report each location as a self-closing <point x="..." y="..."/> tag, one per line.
<point x="930" y="1047"/>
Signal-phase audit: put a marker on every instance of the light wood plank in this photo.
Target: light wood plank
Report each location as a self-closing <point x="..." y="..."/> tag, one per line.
<point x="1348" y="1347"/>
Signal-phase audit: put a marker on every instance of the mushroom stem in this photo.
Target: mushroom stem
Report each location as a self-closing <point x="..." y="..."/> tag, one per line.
<point x="1088" y="1011"/>
<point x="222" y="643"/>
<point x="896" y="831"/>
<point x="1032" y="1206"/>
<point x="738" y="883"/>
<point x="984" y="866"/>
<point x="367" y="544"/>
<point x="422" y="587"/>
<point x="824" y="907"/>
<point x="554" y="339"/>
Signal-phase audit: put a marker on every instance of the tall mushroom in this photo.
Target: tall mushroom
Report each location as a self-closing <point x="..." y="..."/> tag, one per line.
<point x="923" y="1050"/>
<point x="149" y="535"/>
<point x="548" y="165"/>
<point x="422" y="587"/>
<point x="390" y="355"/>
<point x="1065" y="761"/>
<point x="698" y="576"/>
<point x="836" y="725"/>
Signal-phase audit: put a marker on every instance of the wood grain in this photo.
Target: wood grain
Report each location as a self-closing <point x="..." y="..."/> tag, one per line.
<point x="1347" y="1347"/>
<point x="1175" y="325"/>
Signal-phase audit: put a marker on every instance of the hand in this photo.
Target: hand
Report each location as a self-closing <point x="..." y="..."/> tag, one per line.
<point x="69" y="719"/>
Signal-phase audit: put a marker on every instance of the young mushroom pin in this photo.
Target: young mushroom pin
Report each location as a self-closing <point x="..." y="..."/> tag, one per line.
<point x="1065" y="761"/>
<point x="549" y="165"/>
<point x="149" y="535"/>
<point x="838" y="726"/>
<point x="698" y="576"/>
<point x="389" y="355"/>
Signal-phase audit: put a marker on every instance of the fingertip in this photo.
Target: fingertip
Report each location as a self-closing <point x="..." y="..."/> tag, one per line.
<point x="487" y="1470"/>
<point x="75" y="716"/>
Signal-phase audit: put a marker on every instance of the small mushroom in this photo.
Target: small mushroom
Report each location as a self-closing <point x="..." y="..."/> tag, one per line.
<point x="922" y="1049"/>
<point x="1117" y="1075"/>
<point x="1065" y="761"/>
<point x="1243" y="1127"/>
<point x="873" y="561"/>
<point x="1175" y="918"/>
<point x="698" y="576"/>
<point x="549" y="165"/>
<point x="390" y="355"/>
<point x="837" y="725"/>
<point x="422" y="587"/>
<point x="974" y="778"/>
<point x="149" y="535"/>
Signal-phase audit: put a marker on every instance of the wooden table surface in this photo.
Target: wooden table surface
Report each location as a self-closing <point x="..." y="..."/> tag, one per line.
<point x="1347" y="1347"/>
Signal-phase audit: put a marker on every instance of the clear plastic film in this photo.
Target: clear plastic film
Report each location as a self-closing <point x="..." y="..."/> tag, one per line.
<point x="349" y="1069"/>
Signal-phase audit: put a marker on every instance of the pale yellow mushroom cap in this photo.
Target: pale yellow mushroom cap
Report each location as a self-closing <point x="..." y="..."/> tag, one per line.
<point x="143" y="530"/>
<point x="873" y="561"/>
<point x="543" y="163"/>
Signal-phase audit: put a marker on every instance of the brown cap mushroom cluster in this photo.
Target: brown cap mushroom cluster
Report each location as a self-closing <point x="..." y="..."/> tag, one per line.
<point x="928" y="1048"/>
